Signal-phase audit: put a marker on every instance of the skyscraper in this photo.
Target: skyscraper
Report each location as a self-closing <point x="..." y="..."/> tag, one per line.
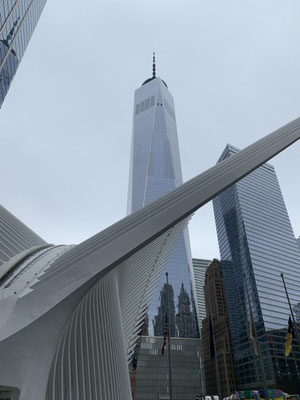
<point x="257" y="243"/>
<point x="199" y="267"/>
<point x="155" y="170"/>
<point x="18" y="19"/>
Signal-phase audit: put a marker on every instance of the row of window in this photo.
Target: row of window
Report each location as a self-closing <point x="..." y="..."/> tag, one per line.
<point x="150" y="346"/>
<point x="144" y="105"/>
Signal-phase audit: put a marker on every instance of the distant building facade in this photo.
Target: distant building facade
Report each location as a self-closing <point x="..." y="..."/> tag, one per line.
<point x="296" y="308"/>
<point x="257" y="243"/>
<point x="152" y="376"/>
<point x="17" y="22"/>
<point x="217" y="314"/>
<point x="199" y="268"/>
<point x="185" y="321"/>
<point x="166" y="296"/>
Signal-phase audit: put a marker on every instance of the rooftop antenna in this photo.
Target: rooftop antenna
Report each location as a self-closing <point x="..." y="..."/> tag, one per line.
<point x="153" y="66"/>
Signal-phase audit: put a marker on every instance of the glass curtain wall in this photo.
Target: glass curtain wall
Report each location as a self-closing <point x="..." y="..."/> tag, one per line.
<point x="155" y="170"/>
<point x="18" y="19"/>
<point x="257" y="243"/>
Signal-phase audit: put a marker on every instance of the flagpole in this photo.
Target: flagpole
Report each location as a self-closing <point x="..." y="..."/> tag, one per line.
<point x="215" y="347"/>
<point x="169" y="342"/>
<point x="258" y="346"/>
<point x="288" y="299"/>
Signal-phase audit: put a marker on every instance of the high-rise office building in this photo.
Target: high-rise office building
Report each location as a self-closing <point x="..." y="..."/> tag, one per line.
<point x="199" y="267"/>
<point x="154" y="171"/>
<point x="257" y="243"/>
<point x="218" y="322"/>
<point x="18" y="19"/>
<point x="167" y="306"/>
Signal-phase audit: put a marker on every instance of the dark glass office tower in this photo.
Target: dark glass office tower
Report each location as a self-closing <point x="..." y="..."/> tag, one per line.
<point x="18" y="19"/>
<point x="257" y="243"/>
<point x="155" y="170"/>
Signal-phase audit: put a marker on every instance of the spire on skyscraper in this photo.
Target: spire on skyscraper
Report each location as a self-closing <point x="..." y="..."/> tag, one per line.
<point x="153" y="72"/>
<point x="154" y="66"/>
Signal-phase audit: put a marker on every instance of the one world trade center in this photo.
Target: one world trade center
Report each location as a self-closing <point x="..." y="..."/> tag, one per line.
<point x="155" y="170"/>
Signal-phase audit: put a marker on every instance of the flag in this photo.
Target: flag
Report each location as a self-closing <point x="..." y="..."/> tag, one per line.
<point x="211" y="339"/>
<point x="252" y="335"/>
<point x="290" y="334"/>
<point x="165" y="336"/>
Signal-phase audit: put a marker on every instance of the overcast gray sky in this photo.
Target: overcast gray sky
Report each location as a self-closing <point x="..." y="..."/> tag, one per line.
<point x="232" y="66"/>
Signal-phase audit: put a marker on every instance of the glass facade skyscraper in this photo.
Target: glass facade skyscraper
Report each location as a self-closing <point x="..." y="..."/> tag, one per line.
<point x="155" y="170"/>
<point x="18" y="19"/>
<point x="200" y="266"/>
<point x="257" y="243"/>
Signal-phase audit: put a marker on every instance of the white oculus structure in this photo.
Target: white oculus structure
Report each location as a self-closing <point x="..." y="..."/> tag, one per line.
<point x="70" y="315"/>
